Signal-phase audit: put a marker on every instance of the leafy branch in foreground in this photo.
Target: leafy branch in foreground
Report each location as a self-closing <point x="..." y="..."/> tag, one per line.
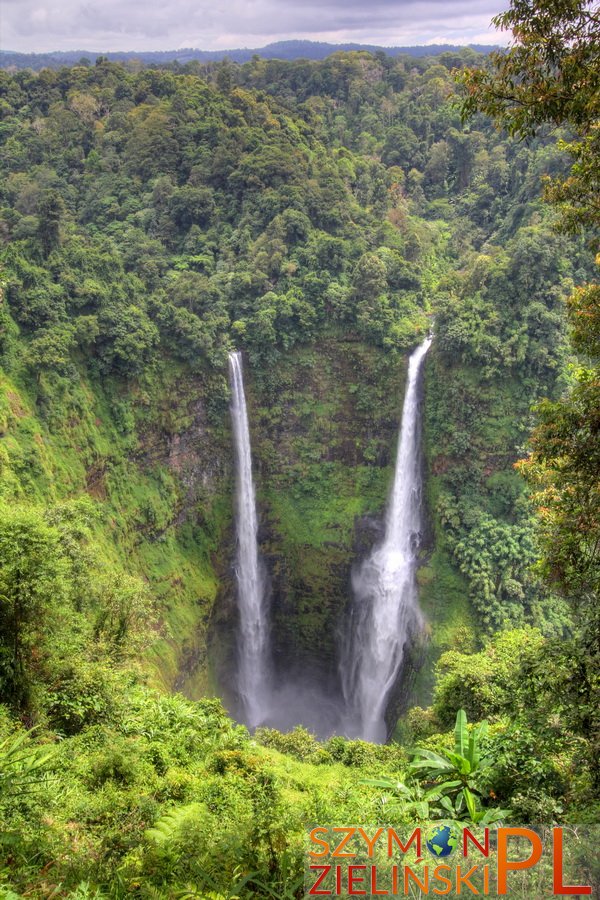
<point x="23" y="772"/>
<point x="550" y="74"/>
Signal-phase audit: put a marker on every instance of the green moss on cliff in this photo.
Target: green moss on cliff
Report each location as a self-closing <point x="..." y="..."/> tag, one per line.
<point x="149" y="458"/>
<point x="324" y="429"/>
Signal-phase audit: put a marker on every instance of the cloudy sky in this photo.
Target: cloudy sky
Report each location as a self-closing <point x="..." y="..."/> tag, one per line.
<point x="100" y="25"/>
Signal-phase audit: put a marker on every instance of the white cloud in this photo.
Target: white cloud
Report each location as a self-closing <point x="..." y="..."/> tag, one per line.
<point x="30" y="26"/>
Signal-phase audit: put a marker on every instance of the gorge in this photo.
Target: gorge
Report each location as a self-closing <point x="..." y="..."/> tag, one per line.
<point x="384" y="615"/>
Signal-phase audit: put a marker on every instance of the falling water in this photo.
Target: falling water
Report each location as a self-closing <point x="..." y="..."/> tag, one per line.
<point x="253" y="641"/>
<point x="385" y="609"/>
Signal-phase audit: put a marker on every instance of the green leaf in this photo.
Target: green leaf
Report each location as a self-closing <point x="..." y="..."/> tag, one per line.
<point x="448" y="786"/>
<point x="461" y="733"/>
<point x="471" y="805"/>
<point x="473" y="751"/>
<point x="494" y="815"/>
<point x="434" y="793"/>
<point x="460" y="763"/>
<point x="429" y="759"/>
<point x="388" y="783"/>
<point x="446" y="803"/>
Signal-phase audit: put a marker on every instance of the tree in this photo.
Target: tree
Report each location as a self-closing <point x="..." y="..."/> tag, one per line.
<point x="551" y="71"/>
<point x="551" y="74"/>
<point x="128" y="339"/>
<point x="33" y="578"/>
<point x="369" y="278"/>
<point x="124" y="617"/>
<point x="51" y="209"/>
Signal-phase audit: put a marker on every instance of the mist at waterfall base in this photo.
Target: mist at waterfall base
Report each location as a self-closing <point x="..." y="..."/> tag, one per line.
<point x="383" y="616"/>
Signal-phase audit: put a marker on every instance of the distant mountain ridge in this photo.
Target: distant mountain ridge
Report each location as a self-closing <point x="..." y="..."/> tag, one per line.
<point x="288" y="50"/>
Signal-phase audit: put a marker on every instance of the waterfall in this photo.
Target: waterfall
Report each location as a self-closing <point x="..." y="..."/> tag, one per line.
<point x="385" y="609"/>
<point x="253" y="638"/>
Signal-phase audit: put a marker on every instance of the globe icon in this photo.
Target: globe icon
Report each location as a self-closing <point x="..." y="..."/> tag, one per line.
<point x="441" y="841"/>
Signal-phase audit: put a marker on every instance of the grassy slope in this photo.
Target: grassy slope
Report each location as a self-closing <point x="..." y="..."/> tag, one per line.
<point x="119" y="444"/>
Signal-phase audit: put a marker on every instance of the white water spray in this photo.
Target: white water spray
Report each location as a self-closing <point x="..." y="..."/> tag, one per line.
<point x="253" y="641"/>
<point x="385" y="607"/>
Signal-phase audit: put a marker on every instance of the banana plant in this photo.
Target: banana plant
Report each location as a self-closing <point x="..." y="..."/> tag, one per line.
<point x="460" y="774"/>
<point x="412" y="798"/>
<point x="448" y="784"/>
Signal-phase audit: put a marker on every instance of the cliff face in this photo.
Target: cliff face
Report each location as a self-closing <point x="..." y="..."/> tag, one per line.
<point x="186" y="438"/>
<point x="324" y="425"/>
<point x="325" y="443"/>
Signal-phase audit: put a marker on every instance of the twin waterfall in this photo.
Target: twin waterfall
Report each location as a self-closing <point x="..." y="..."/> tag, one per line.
<point x="253" y="644"/>
<point x="384" y="612"/>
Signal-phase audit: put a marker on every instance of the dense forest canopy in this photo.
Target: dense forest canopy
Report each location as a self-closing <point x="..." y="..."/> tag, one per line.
<point x="318" y="215"/>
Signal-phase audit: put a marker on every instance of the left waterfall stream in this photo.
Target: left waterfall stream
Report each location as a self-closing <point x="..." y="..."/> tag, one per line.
<point x="253" y="645"/>
<point x="288" y="696"/>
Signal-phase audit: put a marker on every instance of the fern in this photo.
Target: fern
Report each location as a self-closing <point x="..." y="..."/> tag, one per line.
<point x="168" y="829"/>
<point x="84" y="892"/>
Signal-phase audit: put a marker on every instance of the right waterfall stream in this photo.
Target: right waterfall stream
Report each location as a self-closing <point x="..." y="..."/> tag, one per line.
<point x="385" y="608"/>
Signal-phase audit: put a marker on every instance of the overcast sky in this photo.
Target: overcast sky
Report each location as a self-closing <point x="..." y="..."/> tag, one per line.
<point x="100" y="25"/>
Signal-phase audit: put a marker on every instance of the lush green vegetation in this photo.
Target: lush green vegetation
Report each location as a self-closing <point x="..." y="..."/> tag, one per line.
<point x="317" y="215"/>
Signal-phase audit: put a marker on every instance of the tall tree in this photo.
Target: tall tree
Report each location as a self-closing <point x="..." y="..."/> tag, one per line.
<point x="50" y="212"/>
<point x="551" y="75"/>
